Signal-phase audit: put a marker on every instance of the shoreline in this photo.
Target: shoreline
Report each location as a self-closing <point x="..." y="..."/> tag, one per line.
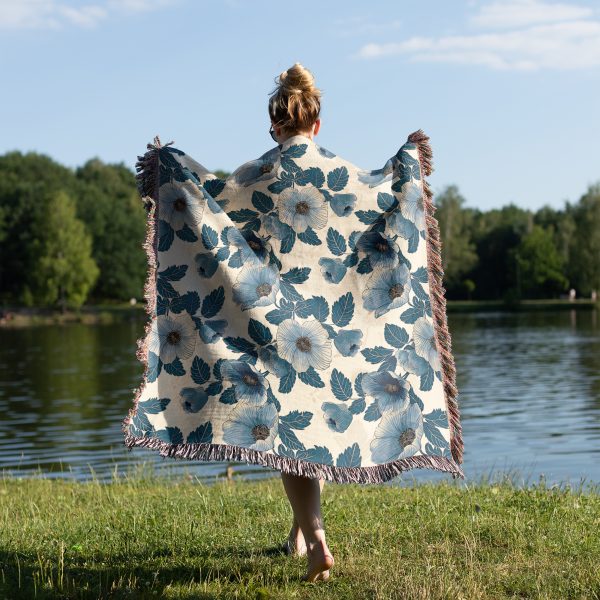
<point x="101" y="314"/>
<point x="93" y="314"/>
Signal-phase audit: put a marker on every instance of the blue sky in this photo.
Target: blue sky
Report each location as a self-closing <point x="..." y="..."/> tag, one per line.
<point x="507" y="90"/>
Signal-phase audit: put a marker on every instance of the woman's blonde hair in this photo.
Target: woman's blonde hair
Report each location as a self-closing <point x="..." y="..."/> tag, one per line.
<point x="295" y="104"/>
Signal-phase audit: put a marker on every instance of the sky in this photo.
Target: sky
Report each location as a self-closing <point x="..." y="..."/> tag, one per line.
<point x="507" y="90"/>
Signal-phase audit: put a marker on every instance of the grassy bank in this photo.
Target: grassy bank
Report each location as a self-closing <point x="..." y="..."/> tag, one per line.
<point x="111" y="313"/>
<point x="155" y="538"/>
<point x="90" y="314"/>
<point x="523" y="305"/>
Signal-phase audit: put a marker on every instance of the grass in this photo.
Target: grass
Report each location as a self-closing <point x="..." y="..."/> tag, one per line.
<point x="152" y="536"/>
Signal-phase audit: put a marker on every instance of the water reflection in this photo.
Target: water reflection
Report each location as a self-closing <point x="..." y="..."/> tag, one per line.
<point x="529" y="397"/>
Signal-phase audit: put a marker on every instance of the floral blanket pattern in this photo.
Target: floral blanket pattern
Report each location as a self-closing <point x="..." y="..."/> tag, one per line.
<point x="296" y="315"/>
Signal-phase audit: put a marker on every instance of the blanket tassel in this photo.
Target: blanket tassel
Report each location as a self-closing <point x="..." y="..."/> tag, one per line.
<point x="438" y="299"/>
<point x="147" y="180"/>
<point x="295" y="466"/>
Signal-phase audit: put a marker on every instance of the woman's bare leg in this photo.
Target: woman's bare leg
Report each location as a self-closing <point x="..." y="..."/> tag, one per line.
<point x="304" y="494"/>
<point x="297" y="544"/>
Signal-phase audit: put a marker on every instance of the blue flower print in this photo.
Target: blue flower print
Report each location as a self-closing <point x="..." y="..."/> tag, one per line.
<point x="332" y="269"/>
<point x="172" y="337"/>
<point x="273" y="226"/>
<point x="337" y="416"/>
<point x="193" y="399"/>
<point x="410" y="361"/>
<point x="213" y="330"/>
<point x="272" y="361"/>
<point x="304" y="344"/>
<point x="206" y="264"/>
<point x="401" y="226"/>
<point x="377" y="176"/>
<point x="381" y="250"/>
<point x="261" y="169"/>
<point x="398" y="435"/>
<point x="181" y="204"/>
<point x="390" y="391"/>
<point x="425" y="345"/>
<point x="251" y="426"/>
<point x="347" y="341"/>
<point x="324" y="152"/>
<point x="387" y="289"/>
<point x="302" y="207"/>
<point x="343" y="204"/>
<point x="412" y="206"/>
<point x="250" y="385"/>
<point x="256" y="286"/>
<point x="253" y="247"/>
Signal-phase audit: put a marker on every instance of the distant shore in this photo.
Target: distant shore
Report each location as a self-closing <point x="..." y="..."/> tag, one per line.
<point x="91" y="314"/>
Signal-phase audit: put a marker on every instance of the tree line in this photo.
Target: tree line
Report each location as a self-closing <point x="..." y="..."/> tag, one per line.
<point x="513" y="253"/>
<point x="74" y="236"/>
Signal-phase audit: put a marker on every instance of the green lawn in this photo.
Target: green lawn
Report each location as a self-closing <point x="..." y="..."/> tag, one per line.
<point x="154" y="537"/>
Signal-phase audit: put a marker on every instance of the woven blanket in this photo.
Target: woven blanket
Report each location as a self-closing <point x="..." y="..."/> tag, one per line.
<point x="296" y="315"/>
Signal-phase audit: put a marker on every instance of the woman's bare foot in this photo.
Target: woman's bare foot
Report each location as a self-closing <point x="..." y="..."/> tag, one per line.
<point x="320" y="560"/>
<point x="295" y="544"/>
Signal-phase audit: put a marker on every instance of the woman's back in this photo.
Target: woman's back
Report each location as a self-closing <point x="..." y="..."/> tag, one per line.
<point x="297" y="318"/>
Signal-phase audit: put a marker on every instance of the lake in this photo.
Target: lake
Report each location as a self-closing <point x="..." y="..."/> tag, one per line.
<point x="529" y="396"/>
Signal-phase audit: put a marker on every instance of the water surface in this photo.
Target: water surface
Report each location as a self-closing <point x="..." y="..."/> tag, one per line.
<point x="529" y="396"/>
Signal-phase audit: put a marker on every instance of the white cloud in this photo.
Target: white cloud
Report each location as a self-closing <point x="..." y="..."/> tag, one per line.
<point x="57" y="14"/>
<point x="138" y="5"/>
<point x="562" y="37"/>
<point x="86" y="16"/>
<point x="519" y="13"/>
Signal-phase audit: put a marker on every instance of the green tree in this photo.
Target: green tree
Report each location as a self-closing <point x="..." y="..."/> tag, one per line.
<point x="585" y="243"/>
<point x="500" y="253"/>
<point x="539" y="264"/>
<point x="24" y="180"/>
<point x="65" y="270"/>
<point x="495" y="233"/>
<point x="469" y="287"/>
<point x="458" y="250"/>
<point x="110" y="206"/>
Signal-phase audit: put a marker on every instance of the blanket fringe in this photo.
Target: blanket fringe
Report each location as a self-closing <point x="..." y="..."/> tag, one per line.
<point x="437" y="295"/>
<point x="148" y="167"/>
<point x="147" y="181"/>
<point x="296" y="466"/>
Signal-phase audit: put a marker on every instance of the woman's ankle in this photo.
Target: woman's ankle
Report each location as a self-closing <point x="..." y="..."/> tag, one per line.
<point x="316" y="540"/>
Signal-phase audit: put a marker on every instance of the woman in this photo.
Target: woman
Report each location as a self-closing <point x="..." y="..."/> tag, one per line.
<point x="294" y="108"/>
<point x="296" y="316"/>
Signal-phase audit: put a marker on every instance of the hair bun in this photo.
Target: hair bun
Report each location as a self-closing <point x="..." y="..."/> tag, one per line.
<point x="297" y="80"/>
<point x="295" y="103"/>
